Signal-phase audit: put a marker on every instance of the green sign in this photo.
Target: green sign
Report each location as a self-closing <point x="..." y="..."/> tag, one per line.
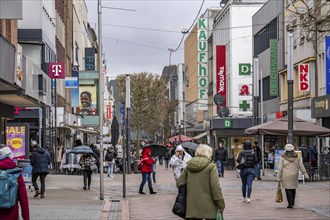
<point x="244" y="69"/>
<point x="244" y="106"/>
<point x="228" y="123"/>
<point x="273" y="84"/>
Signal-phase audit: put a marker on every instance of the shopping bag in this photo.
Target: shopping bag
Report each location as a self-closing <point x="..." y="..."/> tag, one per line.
<point x="219" y="216"/>
<point x="179" y="207"/>
<point x="279" y="195"/>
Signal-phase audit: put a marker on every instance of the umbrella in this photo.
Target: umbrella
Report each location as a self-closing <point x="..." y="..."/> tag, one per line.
<point x="177" y="138"/>
<point x="83" y="149"/>
<point x="114" y="131"/>
<point x="157" y="149"/>
<point x="280" y="127"/>
<point x="189" y="145"/>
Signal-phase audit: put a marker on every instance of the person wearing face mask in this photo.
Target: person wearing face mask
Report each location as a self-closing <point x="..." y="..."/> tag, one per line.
<point x="146" y="169"/>
<point x="179" y="161"/>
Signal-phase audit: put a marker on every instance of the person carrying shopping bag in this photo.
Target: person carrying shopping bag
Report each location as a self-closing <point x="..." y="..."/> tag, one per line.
<point x="288" y="171"/>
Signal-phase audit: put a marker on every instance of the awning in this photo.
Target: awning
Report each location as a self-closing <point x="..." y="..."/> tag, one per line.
<point x="83" y="130"/>
<point x="200" y="135"/>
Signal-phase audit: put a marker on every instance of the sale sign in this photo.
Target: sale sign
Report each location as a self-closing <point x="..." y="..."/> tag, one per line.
<point x="303" y="75"/>
<point x="16" y="140"/>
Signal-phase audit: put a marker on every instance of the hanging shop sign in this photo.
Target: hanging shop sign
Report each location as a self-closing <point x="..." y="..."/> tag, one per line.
<point x="327" y="63"/>
<point x="244" y="69"/>
<point x="273" y="68"/>
<point x="303" y="77"/>
<point x="245" y="90"/>
<point x="202" y="61"/>
<point x="56" y="70"/>
<point x="221" y="72"/>
<point x="89" y="58"/>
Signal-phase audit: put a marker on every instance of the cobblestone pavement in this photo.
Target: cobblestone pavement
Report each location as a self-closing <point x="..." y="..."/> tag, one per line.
<point x="65" y="199"/>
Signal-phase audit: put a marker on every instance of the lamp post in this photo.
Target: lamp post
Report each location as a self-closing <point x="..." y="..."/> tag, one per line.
<point x="290" y="71"/>
<point x="128" y="106"/>
<point x="255" y="89"/>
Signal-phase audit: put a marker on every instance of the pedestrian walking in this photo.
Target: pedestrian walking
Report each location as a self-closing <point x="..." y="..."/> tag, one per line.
<point x="6" y="163"/>
<point x="146" y="169"/>
<point x="221" y="157"/>
<point x="110" y="157"/>
<point x="40" y="160"/>
<point x="60" y="152"/>
<point x="270" y="160"/>
<point x="154" y="165"/>
<point x="201" y="175"/>
<point x="248" y="172"/>
<point x="179" y="161"/>
<point x="313" y="155"/>
<point x="167" y="157"/>
<point x="86" y="162"/>
<point x="257" y="150"/>
<point x="96" y="156"/>
<point x="288" y="170"/>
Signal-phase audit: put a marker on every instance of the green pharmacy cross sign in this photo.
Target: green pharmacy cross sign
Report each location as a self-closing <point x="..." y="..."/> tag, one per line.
<point x="244" y="105"/>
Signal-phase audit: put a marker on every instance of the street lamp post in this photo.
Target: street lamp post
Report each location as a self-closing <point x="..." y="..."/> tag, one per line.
<point x="290" y="71"/>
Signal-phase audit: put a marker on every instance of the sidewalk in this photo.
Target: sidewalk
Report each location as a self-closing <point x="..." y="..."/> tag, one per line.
<point x="65" y="199"/>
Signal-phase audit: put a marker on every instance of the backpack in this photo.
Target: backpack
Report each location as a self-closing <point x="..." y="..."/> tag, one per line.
<point x="9" y="187"/>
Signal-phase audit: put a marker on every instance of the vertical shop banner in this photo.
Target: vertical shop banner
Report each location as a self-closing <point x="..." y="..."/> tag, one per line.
<point x="327" y="63"/>
<point x="202" y="56"/>
<point x="303" y="77"/>
<point x="273" y="84"/>
<point x="220" y="71"/>
<point x="87" y="100"/>
<point x="277" y="157"/>
<point x="89" y="58"/>
<point x="16" y="140"/>
<point x="75" y="92"/>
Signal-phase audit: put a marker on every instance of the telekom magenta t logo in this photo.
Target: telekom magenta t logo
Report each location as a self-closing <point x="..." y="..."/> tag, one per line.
<point x="56" y="70"/>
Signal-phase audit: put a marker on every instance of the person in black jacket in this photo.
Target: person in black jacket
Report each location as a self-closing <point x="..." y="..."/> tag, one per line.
<point x="248" y="172"/>
<point x="257" y="150"/>
<point x="221" y="157"/>
<point x="40" y="160"/>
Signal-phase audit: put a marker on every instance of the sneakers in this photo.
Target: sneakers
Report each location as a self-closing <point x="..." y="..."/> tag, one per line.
<point x="248" y="200"/>
<point x="243" y="199"/>
<point x="84" y="187"/>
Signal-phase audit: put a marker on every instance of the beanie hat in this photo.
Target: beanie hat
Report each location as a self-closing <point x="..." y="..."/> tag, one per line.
<point x="289" y="147"/>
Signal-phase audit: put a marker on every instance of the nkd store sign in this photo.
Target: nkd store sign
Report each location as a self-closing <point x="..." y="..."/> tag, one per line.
<point x="202" y="63"/>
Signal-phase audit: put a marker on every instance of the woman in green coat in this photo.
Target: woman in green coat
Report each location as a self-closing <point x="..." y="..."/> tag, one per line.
<point x="204" y="196"/>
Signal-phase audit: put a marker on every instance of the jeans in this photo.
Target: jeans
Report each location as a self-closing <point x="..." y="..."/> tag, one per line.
<point x="110" y="168"/>
<point x="42" y="181"/>
<point x="220" y="165"/>
<point x="87" y="174"/>
<point x="257" y="169"/>
<point x="290" y="196"/>
<point x="247" y="176"/>
<point x="146" y="177"/>
<point x="166" y="164"/>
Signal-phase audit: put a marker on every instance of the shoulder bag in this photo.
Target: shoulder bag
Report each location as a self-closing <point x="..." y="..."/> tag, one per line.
<point x="241" y="163"/>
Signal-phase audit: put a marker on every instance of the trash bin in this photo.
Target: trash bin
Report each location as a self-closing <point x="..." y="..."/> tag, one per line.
<point x="136" y="170"/>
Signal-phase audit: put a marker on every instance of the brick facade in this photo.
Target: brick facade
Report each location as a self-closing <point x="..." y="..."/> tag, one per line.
<point x="8" y="29"/>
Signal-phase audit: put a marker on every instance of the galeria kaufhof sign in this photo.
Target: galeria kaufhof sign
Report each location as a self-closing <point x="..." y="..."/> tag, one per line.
<point x="202" y="63"/>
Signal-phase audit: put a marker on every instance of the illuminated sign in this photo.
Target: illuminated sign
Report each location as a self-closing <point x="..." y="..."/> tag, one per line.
<point x="56" y="70"/>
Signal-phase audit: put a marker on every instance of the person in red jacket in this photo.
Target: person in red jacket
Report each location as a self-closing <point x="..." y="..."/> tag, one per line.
<point x="146" y="169"/>
<point x="13" y="213"/>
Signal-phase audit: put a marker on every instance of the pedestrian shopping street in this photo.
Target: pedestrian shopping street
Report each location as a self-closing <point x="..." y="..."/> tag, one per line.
<point x="65" y="199"/>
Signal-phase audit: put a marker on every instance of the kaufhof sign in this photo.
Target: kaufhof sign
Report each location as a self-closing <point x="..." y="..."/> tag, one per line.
<point x="303" y="76"/>
<point x="202" y="63"/>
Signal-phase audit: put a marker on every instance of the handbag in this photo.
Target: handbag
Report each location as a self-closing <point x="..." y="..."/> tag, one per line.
<point x="219" y="215"/>
<point x="279" y="195"/>
<point x="241" y="163"/>
<point x="179" y="207"/>
<point x="93" y="167"/>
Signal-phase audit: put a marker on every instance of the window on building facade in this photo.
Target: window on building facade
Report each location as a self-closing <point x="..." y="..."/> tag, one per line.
<point x="262" y="38"/>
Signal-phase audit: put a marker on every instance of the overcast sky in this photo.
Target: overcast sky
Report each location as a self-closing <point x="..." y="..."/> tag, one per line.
<point x="129" y="46"/>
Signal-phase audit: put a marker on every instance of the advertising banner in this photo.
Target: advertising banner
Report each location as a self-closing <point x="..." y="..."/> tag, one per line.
<point x="273" y="68"/>
<point x="87" y="100"/>
<point x="16" y="140"/>
<point x="327" y="63"/>
<point x="220" y="70"/>
<point x="75" y="92"/>
<point x="278" y="154"/>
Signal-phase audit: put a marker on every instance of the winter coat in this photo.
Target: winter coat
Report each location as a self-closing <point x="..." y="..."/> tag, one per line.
<point x="203" y="195"/>
<point x="147" y="160"/>
<point x="288" y="170"/>
<point x="313" y="153"/>
<point x="40" y="160"/>
<point x="86" y="161"/>
<point x="179" y="163"/>
<point x="258" y="152"/>
<point x="13" y="213"/>
<point x="221" y="154"/>
<point x="251" y="158"/>
<point x="110" y="156"/>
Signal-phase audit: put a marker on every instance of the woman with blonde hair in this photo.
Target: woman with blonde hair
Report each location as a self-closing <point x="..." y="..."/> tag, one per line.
<point x="201" y="175"/>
